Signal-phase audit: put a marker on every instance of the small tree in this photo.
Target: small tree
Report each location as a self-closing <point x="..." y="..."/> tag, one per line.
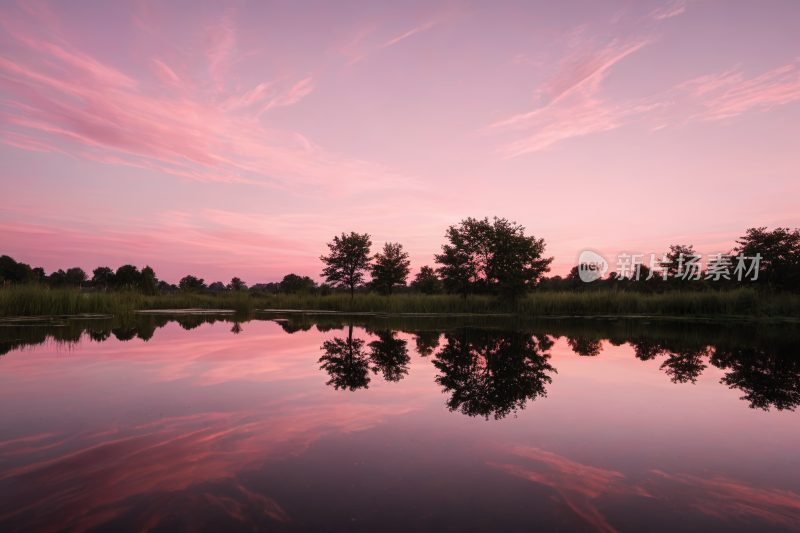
<point x="191" y="284"/>
<point x="103" y="277"/>
<point x="390" y="267"/>
<point x="426" y="281"/>
<point x="75" y="276"/>
<point x="148" y="283"/>
<point x="348" y="260"/>
<point x="237" y="284"/>
<point x="293" y="283"/>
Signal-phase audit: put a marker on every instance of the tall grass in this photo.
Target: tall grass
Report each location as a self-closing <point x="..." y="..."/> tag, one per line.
<point x="34" y="300"/>
<point x="741" y="302"/>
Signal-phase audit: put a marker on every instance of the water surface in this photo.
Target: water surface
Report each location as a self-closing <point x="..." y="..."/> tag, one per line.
<point x="272" y="422"/>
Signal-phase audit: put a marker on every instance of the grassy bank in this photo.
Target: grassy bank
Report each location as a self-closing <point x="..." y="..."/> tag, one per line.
<point x="34" y="300"/>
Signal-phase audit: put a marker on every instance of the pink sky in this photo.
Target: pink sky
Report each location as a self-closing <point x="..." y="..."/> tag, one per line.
<point x="237" y="139"/>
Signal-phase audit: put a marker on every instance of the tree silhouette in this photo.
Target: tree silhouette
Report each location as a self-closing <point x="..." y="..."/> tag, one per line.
<point x="426" y="281"/>
<point x="491" y="256"/>
<point x="780" y="256"/>
<point x="348" y="260"/>
<point x="516" y="261"/>
<point x="389" y="356"/>
<point x="462" y="261"/>
<point x="191" y="283"/>
<point x="346" y="363"/>
<point x="293" y="283"/>
<point x="237" y="284"/>
<point x="491" y="372"/>
<point x="390" y="268"/>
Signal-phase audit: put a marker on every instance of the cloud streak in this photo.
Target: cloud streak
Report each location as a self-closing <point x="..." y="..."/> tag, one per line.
<point x="95" y="110"/>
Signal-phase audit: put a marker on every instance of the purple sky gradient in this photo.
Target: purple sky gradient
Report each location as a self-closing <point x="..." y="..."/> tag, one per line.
<point x="238" y="138"/>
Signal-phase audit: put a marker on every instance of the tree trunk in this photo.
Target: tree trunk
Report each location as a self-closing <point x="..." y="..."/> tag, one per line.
<point x="352" y="289"/>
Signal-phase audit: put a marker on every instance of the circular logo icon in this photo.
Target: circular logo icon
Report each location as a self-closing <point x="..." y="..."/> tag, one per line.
<point x="592" y="265"/>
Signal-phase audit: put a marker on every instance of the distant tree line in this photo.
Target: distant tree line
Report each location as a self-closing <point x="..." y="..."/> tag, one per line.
<point x="126" y="277"/>
<point x="778" y="268"/>
<point x="479" y="257"/>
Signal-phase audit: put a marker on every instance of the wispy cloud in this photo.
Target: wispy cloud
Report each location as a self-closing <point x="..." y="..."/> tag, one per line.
<point x="96" y="110"/>
<point x="729" y="94"/>
<point x="670" y="9"/>
<point x="408" y="34"/>
<point x="575" y="104"/>
<point x="360" y="56"/>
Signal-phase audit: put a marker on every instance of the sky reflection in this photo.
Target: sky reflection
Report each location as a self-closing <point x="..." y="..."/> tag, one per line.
<point x="206" y="428"/>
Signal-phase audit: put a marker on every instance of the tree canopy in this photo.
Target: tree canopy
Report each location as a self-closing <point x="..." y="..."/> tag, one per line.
<point x="780" y="256"/>
<point x="191" y="283"/>
<point x="426" y="281"/>
<point x="497" y="257"/>
<point x="237" y="284"/>
<point x="390" y="268"/>
<point x="292" y="283"/>
<point x="348" y="260"/>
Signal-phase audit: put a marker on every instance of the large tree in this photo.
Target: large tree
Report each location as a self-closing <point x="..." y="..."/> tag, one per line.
<point x="390" y="268"/>
<point x="491" y="256"/>
<point x="515" y="261"/>
<point x="348" y="260"/>
<point x="780" y="256"/>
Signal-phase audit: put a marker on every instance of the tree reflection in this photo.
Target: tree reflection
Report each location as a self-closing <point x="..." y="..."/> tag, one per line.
<point x="389" y="356"/>
<point x="236" y="329"/>
<point x="684" y="366"/>
<point x="292" y="326"/>
<point x="346" y="362"/>
<point x="427" y="342"/>
<point x="768" y="377"/>
<point x="585" y="347"/>
<point x="98" y="336"/>
<point x="491" y="372"/>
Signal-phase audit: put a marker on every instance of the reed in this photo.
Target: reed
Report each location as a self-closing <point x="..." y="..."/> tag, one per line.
<point x="32" y="300"/>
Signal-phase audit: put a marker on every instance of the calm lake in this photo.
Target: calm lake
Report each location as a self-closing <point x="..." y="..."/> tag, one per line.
<point x="295" y="422"/>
